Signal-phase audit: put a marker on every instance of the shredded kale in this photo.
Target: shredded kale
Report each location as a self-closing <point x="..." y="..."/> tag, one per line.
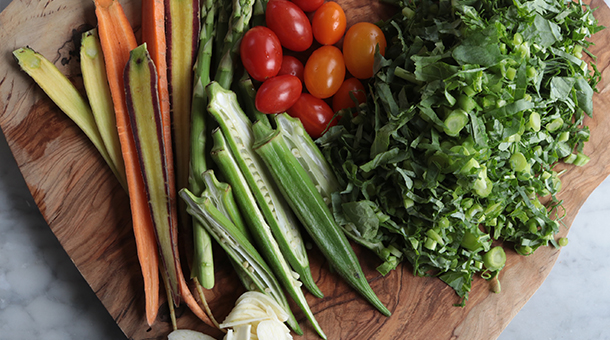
<point x="471" y="108"/>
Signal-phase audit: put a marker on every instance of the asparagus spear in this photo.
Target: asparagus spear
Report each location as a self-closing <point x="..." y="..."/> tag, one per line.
<point x="238" y="23"/>
<point x="203" y="261"/>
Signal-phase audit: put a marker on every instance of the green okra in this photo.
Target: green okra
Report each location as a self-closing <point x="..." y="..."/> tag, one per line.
<point x="309" y="206"/>
<point x="239" y="249"/>
<point x="236" y="128"/>
<point x="308" y="154"/>
<point x="222" y="195"/>
<point x="258" y="225"/>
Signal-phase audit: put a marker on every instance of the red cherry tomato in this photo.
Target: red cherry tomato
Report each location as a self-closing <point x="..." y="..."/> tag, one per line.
<point x="308" y="5"/>
<point x="343" y="100"/>
<point x="261" y="53"/>
<point x="324" y="71"/>
<point x="359" y="48"/>
<point x="328" y="23"/>
<point x="278" y="94"/>
<point x="314" y="113"/>
<point x="290" y="24"/>
<point x="292" y="66"/>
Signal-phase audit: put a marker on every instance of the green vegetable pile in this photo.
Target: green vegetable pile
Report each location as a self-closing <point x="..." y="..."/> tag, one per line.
<point x="471" y="108"/>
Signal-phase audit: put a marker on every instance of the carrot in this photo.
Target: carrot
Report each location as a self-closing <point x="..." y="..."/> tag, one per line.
<point x="153" y="34"/>
<point x="182" y="38"/>
<point x="117" y="39"/>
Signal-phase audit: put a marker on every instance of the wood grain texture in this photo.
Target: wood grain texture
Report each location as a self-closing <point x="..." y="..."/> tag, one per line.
<point x="89" y="213"/>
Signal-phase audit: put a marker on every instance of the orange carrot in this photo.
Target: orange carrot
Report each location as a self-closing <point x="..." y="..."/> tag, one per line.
<point x="153" y="34"/>
<point x="117" y="39"/>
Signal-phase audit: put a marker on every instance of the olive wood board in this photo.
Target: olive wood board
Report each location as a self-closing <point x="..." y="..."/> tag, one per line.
<point x="88" y="211"/>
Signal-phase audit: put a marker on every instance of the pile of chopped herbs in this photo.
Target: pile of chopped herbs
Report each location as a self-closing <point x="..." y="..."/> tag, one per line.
<point x="471" y="108"/>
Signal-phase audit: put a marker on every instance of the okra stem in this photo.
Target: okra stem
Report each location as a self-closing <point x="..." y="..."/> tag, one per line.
<point x="247" y="93"/>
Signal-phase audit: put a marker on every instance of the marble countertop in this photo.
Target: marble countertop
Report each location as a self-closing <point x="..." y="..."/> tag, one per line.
<point x="43" y="296"/>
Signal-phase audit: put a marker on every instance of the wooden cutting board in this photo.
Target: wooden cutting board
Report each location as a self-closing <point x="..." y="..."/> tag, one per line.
<point x="88" y="211"/>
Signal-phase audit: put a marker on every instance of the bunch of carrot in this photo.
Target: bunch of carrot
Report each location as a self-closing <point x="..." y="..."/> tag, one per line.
<point x="166" y="92"/>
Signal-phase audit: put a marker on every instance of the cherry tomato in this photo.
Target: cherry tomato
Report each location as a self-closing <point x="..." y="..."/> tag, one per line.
<point x="308" y="5"/>
<point x="324" y="71"/>
<point x="261" y="53"/>
<point x="359" y="48"/>
<point x="278" y="94"/>
<point x="314" y="113"/>
<point x="343" y="100"/>
<point x="292" y="66"/>
<point x="290" y="24"/>
<point x="328" y="23"/>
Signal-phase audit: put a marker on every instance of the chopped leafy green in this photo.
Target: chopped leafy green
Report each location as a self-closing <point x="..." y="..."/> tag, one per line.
<point x="472" y="106"/>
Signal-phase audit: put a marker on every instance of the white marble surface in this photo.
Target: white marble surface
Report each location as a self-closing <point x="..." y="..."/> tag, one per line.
<point x="43" y="296"/>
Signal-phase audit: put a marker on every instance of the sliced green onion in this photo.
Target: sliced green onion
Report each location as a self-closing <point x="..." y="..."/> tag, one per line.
<point x="455" y="122"/>
<point x="495" y="259"/>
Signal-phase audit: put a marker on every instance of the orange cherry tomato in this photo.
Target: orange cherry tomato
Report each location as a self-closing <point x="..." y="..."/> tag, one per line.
<point x="343" y="100"/>
<point x="359" y="48"/>
<point x="328" y="23"/>
<point x="324" y="71"/>
<point x="315" y="115"/>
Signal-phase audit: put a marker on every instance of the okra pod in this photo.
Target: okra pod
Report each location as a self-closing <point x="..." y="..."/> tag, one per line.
<point x="258" y="225"/>
<point x="237" y="130"/>
<point x="309" y="206"/>
<point x="308" y="154"/>
<point x="222" y="195"/>
<point x="239" y="249"/>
